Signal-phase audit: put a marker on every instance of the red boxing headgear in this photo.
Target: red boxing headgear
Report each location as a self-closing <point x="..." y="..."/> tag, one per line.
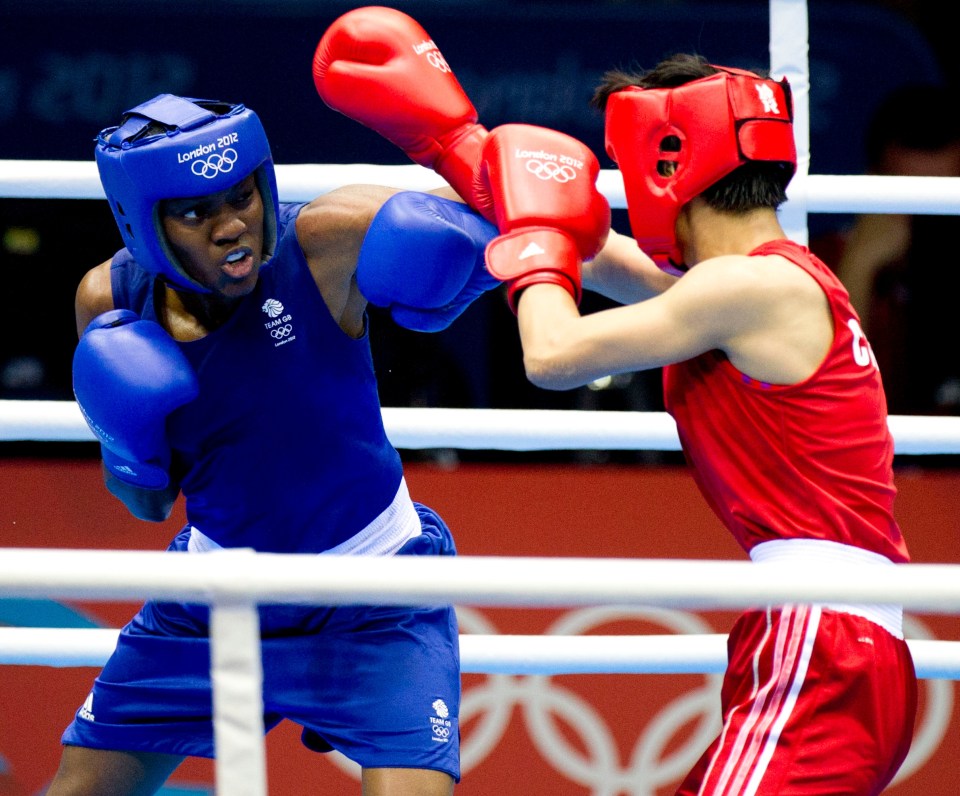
<point x="707" y="128"/>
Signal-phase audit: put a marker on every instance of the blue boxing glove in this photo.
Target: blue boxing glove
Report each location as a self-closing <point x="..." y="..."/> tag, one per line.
<point x="128" y="376"/>
<point x="423" y="257"/>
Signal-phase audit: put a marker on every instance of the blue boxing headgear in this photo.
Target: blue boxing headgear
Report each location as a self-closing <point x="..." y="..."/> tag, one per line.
<point x="172" y="148"/>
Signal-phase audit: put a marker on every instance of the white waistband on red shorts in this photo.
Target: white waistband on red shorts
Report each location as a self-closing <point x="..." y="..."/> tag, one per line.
<point x="819" y="551"/>
<point x="384" y="536"/>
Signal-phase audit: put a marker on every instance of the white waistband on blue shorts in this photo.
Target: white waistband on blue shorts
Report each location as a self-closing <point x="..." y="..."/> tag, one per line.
<point x="384" y="536"/>
<point x="819" y="551"/>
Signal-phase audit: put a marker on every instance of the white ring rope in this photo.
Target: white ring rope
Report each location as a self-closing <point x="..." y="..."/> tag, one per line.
<point x="822" y="193"/>
<point x="489" y="654"/>
<point x="236" y="575"/>
<point x="414" y="428"/>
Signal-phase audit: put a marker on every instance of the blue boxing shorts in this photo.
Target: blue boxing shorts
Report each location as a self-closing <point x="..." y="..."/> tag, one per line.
<point x="380" y="684"/>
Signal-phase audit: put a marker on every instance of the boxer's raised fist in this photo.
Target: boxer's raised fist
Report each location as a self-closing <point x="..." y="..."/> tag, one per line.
<point x="543" y="187"/>
<point x="379" y="67"/>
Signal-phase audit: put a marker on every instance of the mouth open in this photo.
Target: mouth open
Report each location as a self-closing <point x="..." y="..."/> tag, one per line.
<point x="238" y="264"/>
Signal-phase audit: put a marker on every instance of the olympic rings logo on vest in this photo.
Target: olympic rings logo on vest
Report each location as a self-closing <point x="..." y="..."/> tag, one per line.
<point x="215" y="164"/>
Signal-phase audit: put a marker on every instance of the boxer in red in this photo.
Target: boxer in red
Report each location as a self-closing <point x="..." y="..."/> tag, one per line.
<point x="779" y="407"/>
<point x="774" y="388"/>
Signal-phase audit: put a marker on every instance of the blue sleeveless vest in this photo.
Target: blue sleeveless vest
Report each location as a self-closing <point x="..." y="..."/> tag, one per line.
<point x="284" y="450"/>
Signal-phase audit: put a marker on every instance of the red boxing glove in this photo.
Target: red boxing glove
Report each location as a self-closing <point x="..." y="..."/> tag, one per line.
<point x="377" y="66"/>
<point x="543" y="186"/>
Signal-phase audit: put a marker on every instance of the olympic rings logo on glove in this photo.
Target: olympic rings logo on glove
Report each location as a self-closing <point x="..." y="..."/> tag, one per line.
<point x="436" y="60"/>
<point x="281" y="332"/>
<point x="215" y="164"/>
<point x="548" y="170"/>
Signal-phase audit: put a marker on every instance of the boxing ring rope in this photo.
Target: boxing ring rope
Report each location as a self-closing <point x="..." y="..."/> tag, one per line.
<point x="414" y="428"/>
<point x="490" y="654"/>
<point x="237" y="576"/>
<point x="820" y="193"/>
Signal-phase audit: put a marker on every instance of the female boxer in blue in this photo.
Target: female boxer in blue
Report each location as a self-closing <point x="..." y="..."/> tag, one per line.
<point x="223" y="355"/>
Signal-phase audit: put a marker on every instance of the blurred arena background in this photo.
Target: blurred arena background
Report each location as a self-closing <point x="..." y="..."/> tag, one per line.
<point x="69" y="68"/>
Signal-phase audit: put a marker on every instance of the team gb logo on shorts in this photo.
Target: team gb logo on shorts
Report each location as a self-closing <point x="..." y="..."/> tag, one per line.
<point x="440" y="725"/>
<point x="279" y="326"/>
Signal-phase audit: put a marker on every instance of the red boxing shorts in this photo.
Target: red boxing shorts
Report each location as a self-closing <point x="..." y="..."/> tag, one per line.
<point x="815" y="701"/>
